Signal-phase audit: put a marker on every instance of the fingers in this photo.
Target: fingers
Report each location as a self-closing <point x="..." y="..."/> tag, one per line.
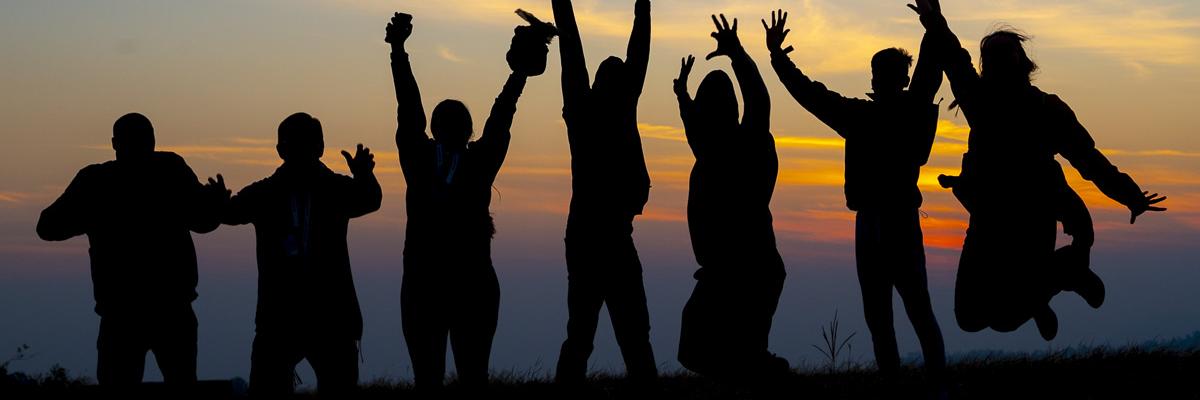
<point x="764" y="22"/>
<point x="220" y="180"/>
<point x="717" y="23"/>
<point x="724" y="22"/>
<point x="712" y="55"/>
<point x="691" y="60"/>
<point x="789" y="49"/>
<point x="349" y="160"/>
<point x="1157" y="200"/>
<point x="735" y="24"/>
<point x="915" y="9"/>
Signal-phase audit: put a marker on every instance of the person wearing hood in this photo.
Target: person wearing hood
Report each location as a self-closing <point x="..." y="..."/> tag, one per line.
<point x="450" y="289"/>
<point x="307" y="305"/>
<point x="727" y="321"/>
<point x="609" y="188"/>
<point x="888" y="139"/>
<point x="138" y="212"/>
<point x="1014" y="189"/>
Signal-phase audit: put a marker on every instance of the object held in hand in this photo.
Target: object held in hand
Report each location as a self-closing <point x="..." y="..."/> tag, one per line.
<point x="531" y="45"/>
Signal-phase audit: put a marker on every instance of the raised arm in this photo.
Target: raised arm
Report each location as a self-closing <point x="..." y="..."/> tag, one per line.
<point x="574" y="67"/>
<point x="68" y="216"/>
<point x="927" y="76"/>
<point x="757" y="115"/>
<point x="497" y="133"/>
<point x="1078" y="147"/>
<point x="637" y="57"/>
<point x="827" y="105"/>
<point x="955" y="60"/>
<point x="364" y="193"/>
<point x="410" y="113"/>
<point x="686" y="104"/>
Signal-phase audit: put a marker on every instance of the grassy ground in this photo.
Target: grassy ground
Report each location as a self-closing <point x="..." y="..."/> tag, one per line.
<point x="1096" y="374"/>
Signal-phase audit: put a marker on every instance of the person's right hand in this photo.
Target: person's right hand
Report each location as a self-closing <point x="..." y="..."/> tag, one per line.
<point x="685" y="70"/>
<point x="728" y="43"/>
<point x="217" y="189"/>
<point x="776" y="32"/>
<point x="399" y="29"/>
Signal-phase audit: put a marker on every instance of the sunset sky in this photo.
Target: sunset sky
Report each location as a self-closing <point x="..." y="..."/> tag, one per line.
<point x="216" y="78"/>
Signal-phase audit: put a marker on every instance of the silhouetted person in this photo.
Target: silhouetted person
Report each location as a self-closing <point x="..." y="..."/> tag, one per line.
<point x="138" y="213"/>
<point x="307" y="306"/>
<point x="450" y="288"/>
<point x="727" y="321"/>
<point x="888" y="139"/>
<point x="610" y="186"/>
<point x="1010" y="183"/>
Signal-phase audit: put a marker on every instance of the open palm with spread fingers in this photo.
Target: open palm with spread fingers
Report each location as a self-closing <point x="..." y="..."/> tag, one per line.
<point x="777" y="32"/>
<point x="728" y="43"/>
<point x="1147" y="205"/>
<point x="363" y="161"/>
<point x="685" y="70"/>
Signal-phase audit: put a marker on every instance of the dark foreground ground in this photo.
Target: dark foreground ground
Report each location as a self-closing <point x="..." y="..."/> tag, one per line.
<point x="1091" y="374"/>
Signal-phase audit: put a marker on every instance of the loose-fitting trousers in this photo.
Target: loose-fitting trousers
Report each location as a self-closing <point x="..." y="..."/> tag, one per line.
<point x="125" y="339"/>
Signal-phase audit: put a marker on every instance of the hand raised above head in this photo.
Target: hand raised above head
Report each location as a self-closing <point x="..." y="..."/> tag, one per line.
<point x="685" y="70"/>
<point x="728" y="43"/>
<point x="777" y="32"/>
<point x="399" y="29"/>
<point x="362" y="163"/>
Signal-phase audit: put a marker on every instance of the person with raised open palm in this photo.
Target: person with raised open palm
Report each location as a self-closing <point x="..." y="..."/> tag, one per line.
<point x="1015" y="190"/>
<point x="307" y="304"/>
<point x="727" y="321"/>
<point x="888" y="139"/>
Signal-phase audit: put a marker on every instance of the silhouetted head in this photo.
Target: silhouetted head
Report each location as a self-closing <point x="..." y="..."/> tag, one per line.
<point x="133" y="137"/>
<point x="1003" y="57"/>
<point x="301" y="141"/>
<point x="451" y="124"/>
<point x="610" y="76"/>
<point x="889" y="71"/>
<point x="716" y="103"/>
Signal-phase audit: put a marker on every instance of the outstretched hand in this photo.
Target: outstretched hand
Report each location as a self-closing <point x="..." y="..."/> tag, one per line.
<point x="362" y="163"/>
<point x="1148" y="204"/>
<point x="728" y="43"/>
<point x="685" y="70"/>
<point x="777" y="32"/>
<point x="216" y="188"/>
<point x="399" y="29"/>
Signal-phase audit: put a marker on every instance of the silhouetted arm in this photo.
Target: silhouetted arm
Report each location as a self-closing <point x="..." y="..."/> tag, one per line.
<point x="955" y="60"/>
<point x="68" y="216"/>
<point x="497" y="133"/>
<point x="927" y="76"/>
<point x="637" y="57"/>
<point x="243" y="206"/>
<point x="1078" y="147"/>
<point x="410" y="113"/>
<point x="574" y="66"/>
<point x="757" y="113"/>
<point x="827" y="105"/>
<point x="686" y="104"/>
<point x="204" y="206"/>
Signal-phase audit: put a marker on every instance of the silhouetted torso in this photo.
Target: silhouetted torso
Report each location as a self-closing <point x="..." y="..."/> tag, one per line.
<point x="300" y="219"/>
<point x="138" y="219"/>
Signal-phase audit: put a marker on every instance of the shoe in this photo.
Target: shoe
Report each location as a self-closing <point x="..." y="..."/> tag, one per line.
<point x="1047" y="322"/>
<point x="1091" y="288"/>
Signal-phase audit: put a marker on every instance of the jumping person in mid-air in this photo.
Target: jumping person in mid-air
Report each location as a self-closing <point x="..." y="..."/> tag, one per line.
<point x="1013" y="188"/>
<point x="610" y="186"/>
<point x="450" y="289"/>
<point x="888" y="138"/>
<point x="727" y="321"/>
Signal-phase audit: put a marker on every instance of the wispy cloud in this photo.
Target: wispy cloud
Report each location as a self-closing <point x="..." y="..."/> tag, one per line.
<point x="446" y="54"/>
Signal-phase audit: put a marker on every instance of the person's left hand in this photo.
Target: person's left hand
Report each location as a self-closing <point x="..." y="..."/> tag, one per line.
<point x="1147" y="204"/>
<point x="362" y="163"/>
<point x="685" y="70"/>
<point x="777" y="32"/>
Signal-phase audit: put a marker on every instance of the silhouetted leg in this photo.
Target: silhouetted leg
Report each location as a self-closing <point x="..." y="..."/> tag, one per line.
<point x="584" y="299"/>
<point x="425" y="330"/>
<point x="273" y="362"/>
<point x="913" y="286"/>
<point x="121" y="352"/>
<point x="626" y="297"/>
<point x="876" y="283"/>
<point x="335" y="363"/>
<point x="696" y="333"/>
<point x="970" y="289"/>
<point x="475" y="326"/>
<point x="175" y="347"/>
